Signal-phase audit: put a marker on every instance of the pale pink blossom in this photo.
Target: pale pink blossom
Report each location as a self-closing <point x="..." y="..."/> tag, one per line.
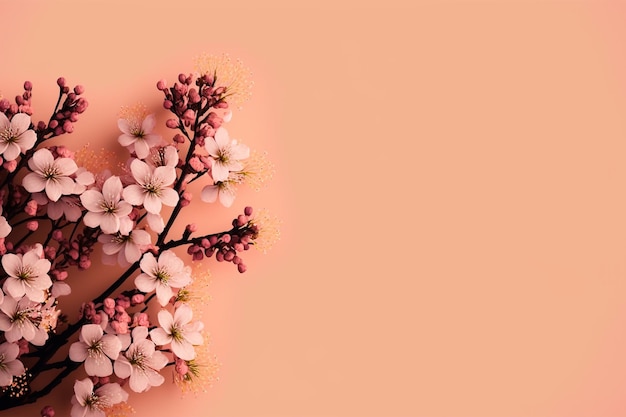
<point x="5" y="227"/>
<point x="49" y="174"/>
<point x="96" y="349"/>
<point x="124" y="249"/>
<point x="10" y="366"/>
<point x="225" y="191"/>
<point x="68" y="206"/>
<point x="89" y="403"/>
<point x="16" y="321"/>
<point x="168" y="272"/>
<point x="138" y="138"/>
<point x="15" y="136"/>
<point x="179" y="331"/>
<point x="152" y="188"/>
<point x="106" y="207"/>
<point x="226" y="154"/>
<point x="141" y="362"/>
<point x="27" y="274"/>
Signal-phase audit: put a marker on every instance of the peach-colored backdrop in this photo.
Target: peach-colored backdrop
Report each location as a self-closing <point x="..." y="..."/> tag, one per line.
<point x="451" y="176"/>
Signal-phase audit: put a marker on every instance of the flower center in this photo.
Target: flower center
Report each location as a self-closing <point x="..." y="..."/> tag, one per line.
<point x="8" y="135"/>
<point x="176" y="333"/>
<point x="25" y="273"/>
<point x="51" y="172"/>
<point x="162" y="275"/>
<point x="93" y="402"/>
<point x="153" y="186"/>
<point x="95" y="348"/>
<point x="223" y="155"/>
<point x="108" y="205"/>
<point x="137" y="358"/>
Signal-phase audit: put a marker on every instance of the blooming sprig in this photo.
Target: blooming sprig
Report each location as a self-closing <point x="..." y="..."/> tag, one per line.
<point x="62" y="211"/>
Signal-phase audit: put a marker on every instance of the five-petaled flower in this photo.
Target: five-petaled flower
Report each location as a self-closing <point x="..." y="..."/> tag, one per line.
<point x="10" y="366"/>
<point x="106" y="207"/>
<point x="15" y="135"/>
<point x="138" y="137"/>
<point x="49" y="174"/>
<point x="16" y="321"/>
<point x="226" y="154"/>
<point x="88" y="402"/>
<point x="169" y="271"/>
<point x="124" y="249"/>
<point x="96" y="349"/>
<point x="141" y="363"/>
<point x="152" y="188"/>
<point x="27" y="274"/>
<point x="179" y="331"/>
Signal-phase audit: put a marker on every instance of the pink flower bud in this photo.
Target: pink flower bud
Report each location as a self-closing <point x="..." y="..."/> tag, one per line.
<point x="84" y="263"/>
<point x="141" y="319"/>
<point x="137" y="299"/>
<point x="68" y="127"/>
<point x="31" y="208"/>
<point x="47" y="411"/>
<point x="32" y="225"/>
<point x="162" y="84"/>
<point x="181" y="367"/>
<point x="79" y="89"/>
<point x="171" y="123"/>
<point x="10" y="165"/>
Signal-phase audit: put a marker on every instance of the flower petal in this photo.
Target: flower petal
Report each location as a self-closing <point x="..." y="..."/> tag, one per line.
<point x="20" y="122"/>
<point x="78" y="351"/>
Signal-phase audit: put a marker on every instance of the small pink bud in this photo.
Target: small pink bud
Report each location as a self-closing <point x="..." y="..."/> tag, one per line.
<point x="68" y="127"/>
<point x="60" y="81"/>
<point x="162" y="84"/>
<point x="57" y="235"/>
<point x="47" y="411"/>
<point x="32" y="225"/>
<point x="85" y="263"/>
<point x="137" y="299"/>
<point x="31" y="208"/>
<point x="171" y="123"/>
<point x="181" y="367"/>
<point x="10" y="165"/>
<point x="79" y="89"/>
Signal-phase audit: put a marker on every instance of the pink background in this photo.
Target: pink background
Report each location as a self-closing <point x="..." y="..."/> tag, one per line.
<point x="451" y="180"/>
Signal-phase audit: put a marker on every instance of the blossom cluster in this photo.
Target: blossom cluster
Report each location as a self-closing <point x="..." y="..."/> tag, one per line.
<point x="59" y="215"/>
